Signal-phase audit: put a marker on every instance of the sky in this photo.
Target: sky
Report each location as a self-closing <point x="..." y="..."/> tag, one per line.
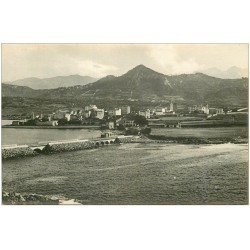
<point x="98" y="60"/>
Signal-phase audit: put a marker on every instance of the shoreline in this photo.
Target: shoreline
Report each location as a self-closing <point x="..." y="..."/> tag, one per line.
<point x="52" y="127"/>
<point x="197" y="140"/>
<point x="20" y="152"/>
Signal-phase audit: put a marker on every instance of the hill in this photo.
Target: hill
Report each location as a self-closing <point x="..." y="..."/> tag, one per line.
<point x="144" y="84"/>
<point x="230" y="73"/>
<point x="54" y="82"/>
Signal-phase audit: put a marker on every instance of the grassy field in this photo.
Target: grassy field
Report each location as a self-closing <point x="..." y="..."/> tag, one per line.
<point x="219" y="132"/>
<point x="138" y="174"/>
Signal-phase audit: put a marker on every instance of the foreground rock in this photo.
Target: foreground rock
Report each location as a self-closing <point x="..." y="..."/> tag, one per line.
<point x="13" y="198"/>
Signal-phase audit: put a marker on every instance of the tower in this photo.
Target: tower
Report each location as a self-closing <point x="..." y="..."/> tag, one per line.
<point x="171" y="107"/>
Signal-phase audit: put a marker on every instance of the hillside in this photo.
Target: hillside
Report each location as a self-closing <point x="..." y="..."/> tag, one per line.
<point x="144" y="84"/>
<point x="9" y="90"/>
<point x="53" y="82"/>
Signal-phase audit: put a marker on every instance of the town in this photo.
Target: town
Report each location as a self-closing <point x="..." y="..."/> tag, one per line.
<point x="124" y="118"/>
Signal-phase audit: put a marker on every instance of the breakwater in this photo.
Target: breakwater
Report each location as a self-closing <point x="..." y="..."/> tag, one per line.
<point x="14" y="151"/>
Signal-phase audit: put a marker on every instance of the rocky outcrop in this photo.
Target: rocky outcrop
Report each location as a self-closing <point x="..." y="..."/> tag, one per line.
<point x="13" y="198"/>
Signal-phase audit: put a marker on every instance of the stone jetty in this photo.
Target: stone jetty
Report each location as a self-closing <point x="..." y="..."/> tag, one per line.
<point x="13" y="151"/>
<point x="74" y="145"/>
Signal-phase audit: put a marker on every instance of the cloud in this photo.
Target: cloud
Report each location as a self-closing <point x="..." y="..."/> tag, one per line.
<point x="88" y="67"/>
<point x="170" y="60"/>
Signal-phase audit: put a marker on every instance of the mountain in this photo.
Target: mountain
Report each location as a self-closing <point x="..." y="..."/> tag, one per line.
<point x="144" y="84"/>
<point x="54" y="82"/>
<point x="136" y="83"/>
<point x="9" y="90"/>
<point x="231" y="73"/>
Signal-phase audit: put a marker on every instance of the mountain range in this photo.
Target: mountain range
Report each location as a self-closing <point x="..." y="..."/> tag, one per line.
<point x="53" y="82"/>
<point x="144" y="84"/>
<point x="231" y="73"/>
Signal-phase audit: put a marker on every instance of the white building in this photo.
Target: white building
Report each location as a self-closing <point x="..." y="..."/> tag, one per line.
<point x="159" y="111"/>
<point x="48" y="123"/>
<point x="60" y="114"/>
<point x="67" y="116"/>
<point x="220" y="111"/>
<point x="125" y="110"/>
<point x="99" y="113"/>
<point x="115" y="112"/>
<point x="205" y="109"/>
<point x="145" y="113"/>
<point x="171" y="109"/>
<point x="90" y="107"/>
<point x="87" y="114"/>
<point x="111" y="125"/>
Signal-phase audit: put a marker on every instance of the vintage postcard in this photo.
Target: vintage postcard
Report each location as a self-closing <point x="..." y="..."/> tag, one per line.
<point x="125" y="124"/>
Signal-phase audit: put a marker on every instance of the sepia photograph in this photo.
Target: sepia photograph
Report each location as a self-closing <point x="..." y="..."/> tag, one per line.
<point x="125" y="124"/>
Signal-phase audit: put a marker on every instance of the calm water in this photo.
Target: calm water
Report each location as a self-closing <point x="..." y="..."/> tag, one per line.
<point x="137" y="174"/>
<point x="29" y="136"/>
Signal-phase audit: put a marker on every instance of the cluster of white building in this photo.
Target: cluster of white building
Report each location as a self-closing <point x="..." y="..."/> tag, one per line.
<point x="159" y="111"/>
<point x="205" y="109"/>
<point x="90" y="111"/>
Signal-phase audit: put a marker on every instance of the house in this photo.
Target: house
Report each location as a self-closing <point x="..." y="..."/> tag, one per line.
<point x="125" y="110"/>
<point x="90" y="107"/>
<point x="172" y="124"/>
<point x="60" y="114"/>
<point x="205" y="109"/>
<point x="111" y="125"/>
<point x="73" y="117"/>
<point x="115" y="112"/>
<point x="145" y="113"/>
<point x="200" y="109"/>
<point x="18" y="123"/>
<point x="173" y="107"/>
<point x="67" y="117"/>
<point x="159" y="111"/>
<point x="215" y="111"/>
<point x="51" y="117"/>
<point x="48" y="123"/>
<point x="99" y="113"/>
<point x="87" y="114"/>
<point x="106" y="135"/>
<point x="126" y="122"/>
<point x="220" y="111"/>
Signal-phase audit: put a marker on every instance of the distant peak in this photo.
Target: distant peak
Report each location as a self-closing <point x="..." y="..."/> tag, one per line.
<point x="140" y="66"/>
<point x="108" y="77"/>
